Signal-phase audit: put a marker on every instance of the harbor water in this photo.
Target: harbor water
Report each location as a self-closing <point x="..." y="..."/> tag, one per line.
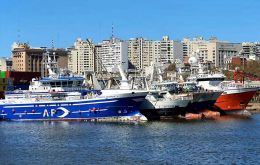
<point x="224" y="141"/>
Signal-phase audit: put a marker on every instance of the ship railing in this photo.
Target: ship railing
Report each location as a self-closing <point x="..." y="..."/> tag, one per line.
<point x="73" y="89"/>
<point x="236" y="85"/>
<point x="182" y="96"/>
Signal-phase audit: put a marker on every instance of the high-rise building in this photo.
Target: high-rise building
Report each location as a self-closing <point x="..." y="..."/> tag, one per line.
<point x="112" y="53"/>
<point x="140" y="52"/>
<point x="98" y="60"/>
<point x="211" y="51"/>
<point x="143" y="52"/>
<point x="167" y="51"/>
<point x="81" y="56"/>
<point x="30" y="59"/>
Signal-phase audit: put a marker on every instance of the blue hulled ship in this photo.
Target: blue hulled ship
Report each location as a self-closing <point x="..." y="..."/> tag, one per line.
<point x="66" y="97"/>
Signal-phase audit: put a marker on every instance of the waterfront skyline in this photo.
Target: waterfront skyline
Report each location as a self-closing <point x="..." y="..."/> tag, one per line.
<point x="39" y="22"/>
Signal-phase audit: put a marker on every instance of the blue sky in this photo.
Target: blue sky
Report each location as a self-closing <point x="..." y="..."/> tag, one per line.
<point x="41" y="21"/>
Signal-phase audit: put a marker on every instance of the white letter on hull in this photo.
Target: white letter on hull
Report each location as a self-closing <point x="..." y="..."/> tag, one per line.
<point x="53" y="111"/>
<point x="45" y="113"/>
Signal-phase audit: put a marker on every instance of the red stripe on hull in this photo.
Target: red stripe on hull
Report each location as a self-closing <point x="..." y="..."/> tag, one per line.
<point x="236" y="101"/>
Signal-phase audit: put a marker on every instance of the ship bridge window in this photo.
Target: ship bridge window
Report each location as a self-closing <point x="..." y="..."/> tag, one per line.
<point x="58" y="84"/>
<point x="64" y="83"/>
<point x="70" y="83"/>
<point x="52" y="84"/>
<point x="45" y="83"/>
<point x="78" y="83"/>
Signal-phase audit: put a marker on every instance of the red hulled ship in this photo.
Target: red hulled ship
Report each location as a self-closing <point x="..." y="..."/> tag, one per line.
<point x="235" y="96"/>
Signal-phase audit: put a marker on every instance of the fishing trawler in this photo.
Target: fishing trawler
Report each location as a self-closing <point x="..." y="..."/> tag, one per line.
<point x="235" y="96"/>
<point x="163" y="100"/>
<point x="65" y="97"/>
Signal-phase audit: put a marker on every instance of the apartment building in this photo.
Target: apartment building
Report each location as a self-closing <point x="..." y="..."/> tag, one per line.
<point x="110" y="54"/>
<point x="251" y="50"/>
<point x="167" y="51"/>
<point x="143" y="52"/>
<point x="81" y="56"/>
<point x="140" y="52"/>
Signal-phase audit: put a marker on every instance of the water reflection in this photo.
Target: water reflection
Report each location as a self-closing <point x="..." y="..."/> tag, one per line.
<point x="166" y="142"/>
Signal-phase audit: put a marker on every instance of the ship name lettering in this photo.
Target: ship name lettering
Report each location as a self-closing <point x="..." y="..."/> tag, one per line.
<point x="53" y="111"/>
<point x="45" y="113"/>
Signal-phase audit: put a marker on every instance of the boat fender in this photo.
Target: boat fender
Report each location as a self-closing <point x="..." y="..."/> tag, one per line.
<point x="3" y="111"/>
<point x="33" y="111"/>
<point x="13" y="111"/>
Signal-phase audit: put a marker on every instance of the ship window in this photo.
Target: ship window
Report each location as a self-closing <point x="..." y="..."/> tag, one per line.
<point x="78" y="83"/>
<point x="58" y="84"/>
<point x="70" y="83"/>
<point x="64" y="83"/>
<point x="52" y="84"/>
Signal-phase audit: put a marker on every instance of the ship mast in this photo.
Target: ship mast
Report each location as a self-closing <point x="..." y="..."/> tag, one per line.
<point x="50" y="65"/>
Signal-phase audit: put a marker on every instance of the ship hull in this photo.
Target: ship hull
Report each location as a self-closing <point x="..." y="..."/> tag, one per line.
<point x="156" y="110"/>
<point x="234" y="100"/>
<point x="107" y="109"/>
<point x="202" y="101"/>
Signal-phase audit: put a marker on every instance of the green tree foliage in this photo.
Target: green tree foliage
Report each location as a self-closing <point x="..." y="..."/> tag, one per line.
<point x="252" y="67"/>
<point x="229" y="74"/>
